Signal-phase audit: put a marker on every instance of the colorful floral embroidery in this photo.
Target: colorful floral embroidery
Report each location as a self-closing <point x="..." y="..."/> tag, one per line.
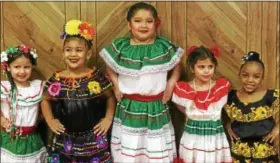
<point x="68" y="146"/>
<point x="263" y="150"/>
<point x="240" y="148"/>
<point x="257" y="114"/>
<point x="94" y="87"/>
<point x="259" y="150"/>
<point x="100" y="142"/>
<point x="54" y="89"/>
<point x="95" y="160"/>
<point x="54" y="158"/>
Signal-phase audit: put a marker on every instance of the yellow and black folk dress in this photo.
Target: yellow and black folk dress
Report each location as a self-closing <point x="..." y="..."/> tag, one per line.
<point x="251" y="122"/>
<point x="79" y="104"/>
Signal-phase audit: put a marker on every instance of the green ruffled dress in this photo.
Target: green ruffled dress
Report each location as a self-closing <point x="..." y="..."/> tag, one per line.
<point x="142" y="131"/>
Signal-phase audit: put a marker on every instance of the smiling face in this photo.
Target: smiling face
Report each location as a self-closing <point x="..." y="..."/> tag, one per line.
<point x="75" y="53"/>
<point x="203" y="70"/>
<point x="21" y="69"/>
<point x="142" y="26"/>
<point x="251" y="76"/>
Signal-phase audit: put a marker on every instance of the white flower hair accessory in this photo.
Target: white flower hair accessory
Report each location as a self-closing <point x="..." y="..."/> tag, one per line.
<point x="23" y="49"/>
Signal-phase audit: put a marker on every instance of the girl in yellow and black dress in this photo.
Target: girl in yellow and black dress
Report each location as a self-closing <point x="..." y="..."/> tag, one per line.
<point x="252" y="127"/>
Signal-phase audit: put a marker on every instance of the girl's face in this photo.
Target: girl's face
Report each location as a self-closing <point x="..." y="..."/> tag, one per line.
<point x="251" y="76"/>
<point x="142" y="25"/>
<point x="203" y="70"/>
<point x="21" y="69"/>
<point x="75" y="53"/>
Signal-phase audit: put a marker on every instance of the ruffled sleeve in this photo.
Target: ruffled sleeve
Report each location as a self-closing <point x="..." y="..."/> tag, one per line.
<point x="136" y="60"/>
<point x="5" y="89"/>
<point x="184" y="94"/>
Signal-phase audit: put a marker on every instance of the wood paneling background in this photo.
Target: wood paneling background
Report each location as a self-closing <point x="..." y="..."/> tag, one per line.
<point x="237" y="27"/>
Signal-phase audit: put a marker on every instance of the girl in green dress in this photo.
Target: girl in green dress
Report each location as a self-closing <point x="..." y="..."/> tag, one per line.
<point x="138" y="67"/>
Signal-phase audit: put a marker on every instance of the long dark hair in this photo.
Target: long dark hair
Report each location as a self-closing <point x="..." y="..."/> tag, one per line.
<point x="12" y="56"/>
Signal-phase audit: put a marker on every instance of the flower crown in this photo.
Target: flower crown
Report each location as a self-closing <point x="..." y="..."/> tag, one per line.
<point x="214" y="49"/>
<point x="23" y="49"/>
<point x="77" y="27"/>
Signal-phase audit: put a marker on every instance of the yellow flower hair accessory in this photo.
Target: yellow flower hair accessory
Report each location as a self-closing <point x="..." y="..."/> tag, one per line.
<point x="77" y="27"/>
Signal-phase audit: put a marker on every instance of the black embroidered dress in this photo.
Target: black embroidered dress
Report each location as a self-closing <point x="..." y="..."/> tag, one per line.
<point x="252" y="122"/>
<point x="79" y="104"/>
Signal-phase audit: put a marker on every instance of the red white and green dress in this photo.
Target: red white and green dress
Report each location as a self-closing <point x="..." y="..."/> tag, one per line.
<point x="142" y="129"/>
<point x="29" y="146"/>
<point x="204" y="139"/>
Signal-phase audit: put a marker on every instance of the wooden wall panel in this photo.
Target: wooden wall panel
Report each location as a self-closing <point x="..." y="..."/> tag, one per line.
<point x="254" y="26"/>
<point x="89" y="14"/>
<point x="39" y="29"/>
<point x="213" y="23"/>
<point x="164" y="9"/>
<point x="72" y="10"/>
<point x="269" y="41"/>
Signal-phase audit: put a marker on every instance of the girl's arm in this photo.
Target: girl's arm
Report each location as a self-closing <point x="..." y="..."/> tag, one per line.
<point x="54" y="124"/>
<point x="104" y="125"/>
<point x="175" y="75"/>
<point x="114" y="77"/>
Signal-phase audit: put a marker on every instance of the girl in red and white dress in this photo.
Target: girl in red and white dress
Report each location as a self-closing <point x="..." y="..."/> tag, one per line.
<point x="202" y="100"/>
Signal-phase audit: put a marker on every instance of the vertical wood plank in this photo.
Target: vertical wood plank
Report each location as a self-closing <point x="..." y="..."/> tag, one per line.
<point x="254" y="26"/>
<point x="278" y="47"/>
<point x="179" y="37"/>
<point x="1" y="34"/>
<point x="164" y="13"/>
<point x="269" y="42"/>
<point x="1" y="27"/>
<point x="72" y="10"/>
<point x="88" y="14"/>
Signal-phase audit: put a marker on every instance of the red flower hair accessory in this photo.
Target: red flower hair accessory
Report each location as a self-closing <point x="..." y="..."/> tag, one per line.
<point x="215" y="50"/>
<point x="191" y="49"/>
<point x="158" y="22"/>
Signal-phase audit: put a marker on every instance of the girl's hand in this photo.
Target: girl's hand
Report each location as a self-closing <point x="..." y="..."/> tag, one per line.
<point x="231" y="133"/>
<point x="103" y="126"/>
<point x="168" y="92"/>
<point x="56" y="126"/>
<point x="118" y="94"/>
<point x="5" y="123"/>
<point x="271" y="136"/>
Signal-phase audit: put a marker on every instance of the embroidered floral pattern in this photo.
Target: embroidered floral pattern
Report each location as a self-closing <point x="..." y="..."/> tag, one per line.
<point x="54" y="158"/>
<point x="240" y="148"/>
<point x="94" y="87"/>
<point x="68" y="146"/>
<point x="257" y="114"/>
<point x="258" y="150"/>
<point x="95" y="160"/>
<point x="54" y="89"/>
<point x="100" y="142"/>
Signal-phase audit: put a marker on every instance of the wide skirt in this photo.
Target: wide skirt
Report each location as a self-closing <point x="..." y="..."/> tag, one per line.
<point x="142" y="132"/>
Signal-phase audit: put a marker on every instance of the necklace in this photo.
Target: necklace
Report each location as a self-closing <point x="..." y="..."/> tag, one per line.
<point x="209" y="90"/>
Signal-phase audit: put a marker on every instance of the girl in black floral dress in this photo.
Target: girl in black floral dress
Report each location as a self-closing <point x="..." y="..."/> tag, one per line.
<point x="252" y="127"/>
<point x="78" y="103"/>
